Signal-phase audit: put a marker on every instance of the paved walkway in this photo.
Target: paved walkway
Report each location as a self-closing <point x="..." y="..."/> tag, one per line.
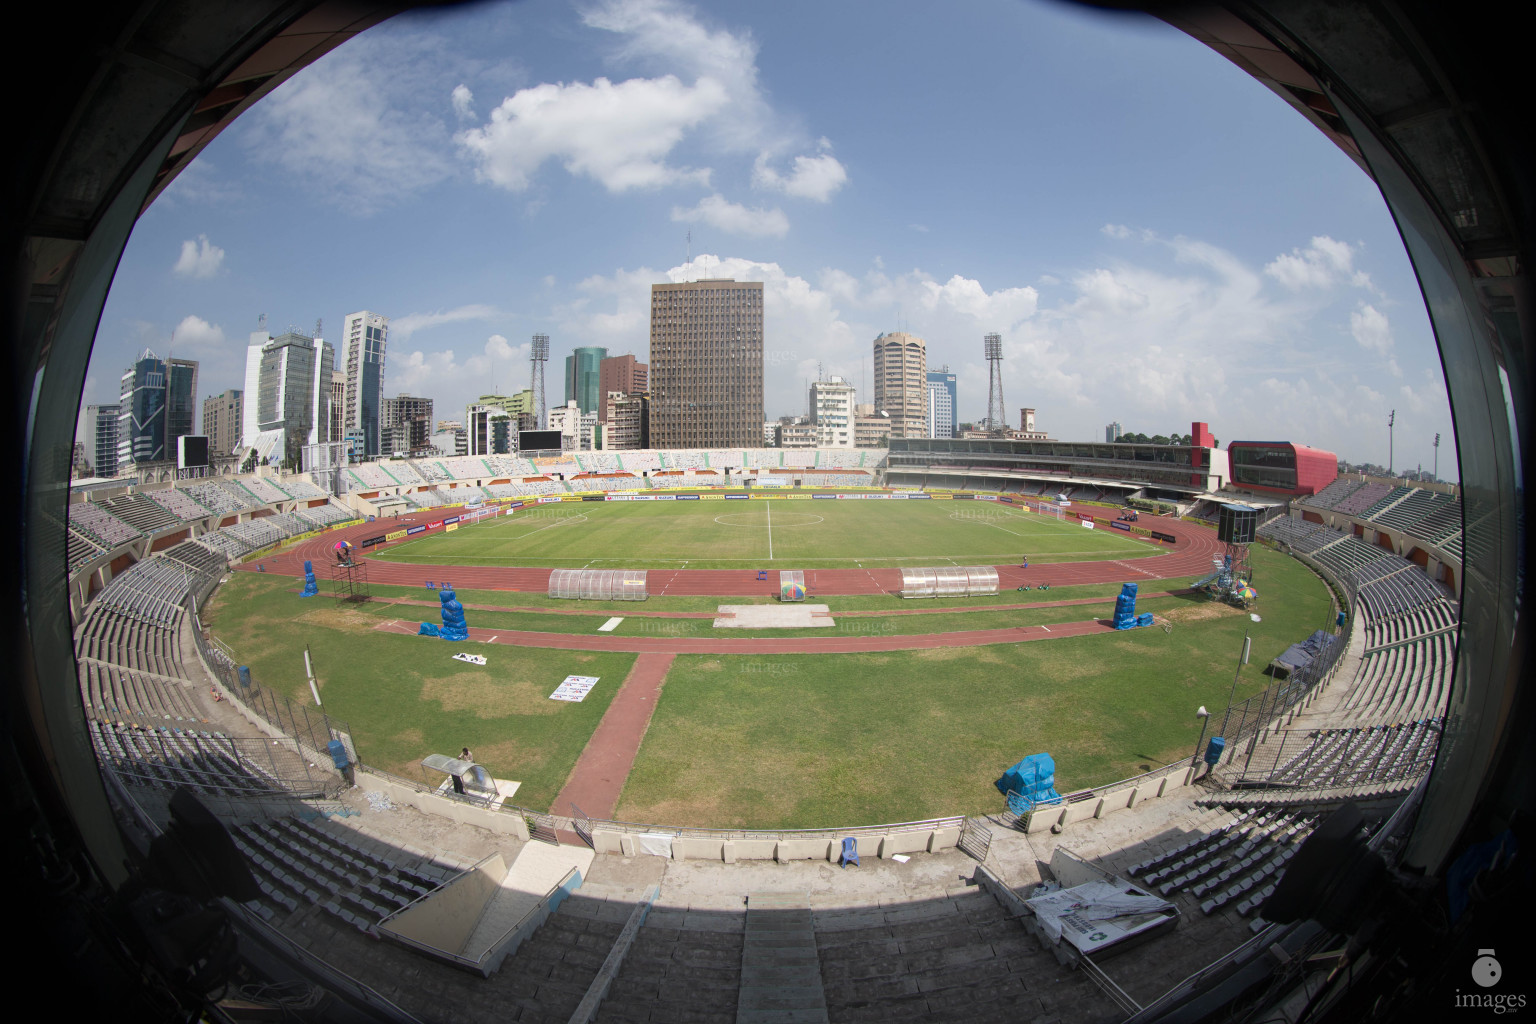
<point x="598" y="778"/>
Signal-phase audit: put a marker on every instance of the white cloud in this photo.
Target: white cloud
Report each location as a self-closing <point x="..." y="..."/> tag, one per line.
<point x="444" y="377"/>
<point x="702" y="90"/>
<point x="401" y="328"/>
<point x="813" y="177"/>
<point x="996" y="309"/>
<point x="463" y="102"/>
<point x="1116" y="231"/>
<point x="1323" y="263"/>
<point x="199" y="183"/>
<point x="199" y="258"/>
<point x="351" y="128"/>
<point x="618" y="135"/>
<point x="1371" y="330"/>
<point x="198" y="334"/>
<point x="733" y="218"/>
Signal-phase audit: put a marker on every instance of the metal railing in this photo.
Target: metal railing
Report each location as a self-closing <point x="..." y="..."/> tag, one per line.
<point x="310" y="729"/>
<point x="782" y="835"/>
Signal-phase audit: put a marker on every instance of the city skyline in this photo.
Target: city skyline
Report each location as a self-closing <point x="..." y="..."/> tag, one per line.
<point x="1149" y="286"/>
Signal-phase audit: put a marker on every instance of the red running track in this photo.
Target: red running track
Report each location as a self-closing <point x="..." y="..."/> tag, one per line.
<point x="1190" y="556"/>
<point x="767" y="645"/>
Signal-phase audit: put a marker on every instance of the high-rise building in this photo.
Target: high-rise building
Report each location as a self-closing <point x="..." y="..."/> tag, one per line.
<point x="942" y="401"/>
<point x="365" y="336"/>
<point x="491" y="424"/>
<point x="624" y="374"/>
<point x="1112" y="433"/>
<point x="287" y="402"/>
<point x="181" y="402"/>
<point x="155" y="407"/>
<point x="405" y="424"/>
<point x="338" y="405"/>
<point x="101" y="424"/>
<point x="901" y="382"/>
<point x="832" y="403"/>
<point x="706" y="364"/>
<point x="221" y="421"/>
<point x="628" y="423"/>
<point x="583" y="376"/>
<point x="871" y="428"/>
<point x="579" y="430"/>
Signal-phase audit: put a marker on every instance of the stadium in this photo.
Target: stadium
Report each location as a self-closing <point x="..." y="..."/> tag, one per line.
<point x="249" y="849"/>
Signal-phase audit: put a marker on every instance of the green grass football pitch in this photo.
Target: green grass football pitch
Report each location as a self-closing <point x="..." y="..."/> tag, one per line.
<point x="774" y="740"/>
<point x="801" y="534"/>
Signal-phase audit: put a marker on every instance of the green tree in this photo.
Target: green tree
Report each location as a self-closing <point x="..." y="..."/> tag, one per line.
<point x="249" y="465"/>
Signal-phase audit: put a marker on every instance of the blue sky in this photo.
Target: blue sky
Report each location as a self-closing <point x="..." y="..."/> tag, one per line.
<point x="1157" y="237"/>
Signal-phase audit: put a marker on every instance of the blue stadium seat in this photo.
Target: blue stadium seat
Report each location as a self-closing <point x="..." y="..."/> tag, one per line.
<point x="850" y="852"/>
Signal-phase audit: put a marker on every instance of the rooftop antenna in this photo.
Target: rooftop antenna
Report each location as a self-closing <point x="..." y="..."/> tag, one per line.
<point x="261" y="321"/>
<point x="319" y="326"/>
<point x="688" y="262"/>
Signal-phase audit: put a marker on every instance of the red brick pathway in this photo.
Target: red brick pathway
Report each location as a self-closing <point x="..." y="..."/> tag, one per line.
<point x="600" y="771"/>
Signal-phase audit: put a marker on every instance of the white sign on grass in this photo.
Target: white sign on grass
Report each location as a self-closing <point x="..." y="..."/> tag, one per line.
<point x="575" y="688"/>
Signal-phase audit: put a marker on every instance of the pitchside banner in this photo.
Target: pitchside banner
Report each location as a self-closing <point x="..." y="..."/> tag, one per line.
<point x="451" y="520"/>
<point x="415" y="530"/>
<point x="664" y="497"/>
<point x="832" y="497"/>
<point x="986" y="497"/>
<point x="737" y="497"/>
<point x="1120" y="526"/>
<point x="686" y="497"/>
<point x="369" y="542"/>
<point x="396" y="535"/>
<point x="1170" y="538"/>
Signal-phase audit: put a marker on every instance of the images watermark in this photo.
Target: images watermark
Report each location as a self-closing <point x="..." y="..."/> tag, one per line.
<point x="1487" y="972"/>
<point x="769" y="668"/>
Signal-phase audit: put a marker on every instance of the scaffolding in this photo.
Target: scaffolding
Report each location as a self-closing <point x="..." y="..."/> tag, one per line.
<point x="598" y="584"/>
<point x="349" y="581"/>
<point x="949" y="581"/>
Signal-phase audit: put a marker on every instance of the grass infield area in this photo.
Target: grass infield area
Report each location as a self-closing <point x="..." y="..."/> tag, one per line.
<point x="781" y="740"/>
<point x="803" y="534"/>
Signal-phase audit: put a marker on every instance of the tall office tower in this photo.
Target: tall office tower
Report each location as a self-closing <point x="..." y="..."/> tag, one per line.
<point x="706" y="364"/>
<point x="1112" y="433"/>
<point x="338" y="405"/>
<point x="289" y="411"/>
<point x="101" y="431"/>
<point x="248" y="419"/>
<point x="181" y="402"/>
<point x="942" y="402"/>
<point x="365" y="336"/>
<point x="901" y="382"/>
<point x="141" y="418"/>
<point x="405" y="424"/>
<point x="832" y="403"/>
<point x="624" y="374"/>
<point x="221" y="421"/>
<point x="582" y="377"/>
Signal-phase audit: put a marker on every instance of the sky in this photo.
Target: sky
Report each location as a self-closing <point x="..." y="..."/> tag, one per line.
<point x="1157" y="238"/>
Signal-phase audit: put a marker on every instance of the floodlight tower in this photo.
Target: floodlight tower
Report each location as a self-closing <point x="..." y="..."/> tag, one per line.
<point x="540" y="356"/>
<point x="997" y="419"/>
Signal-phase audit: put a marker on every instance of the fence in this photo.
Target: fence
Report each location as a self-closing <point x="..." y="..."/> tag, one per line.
<point x="309" y="729"/>
<point x="227" y="765"/>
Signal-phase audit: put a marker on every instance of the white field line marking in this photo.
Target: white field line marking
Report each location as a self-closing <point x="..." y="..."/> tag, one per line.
<point x="492" y="639"/>
<point x="770" y="531"/>
<point x="608" y="627"/>
<point x="1046" y="628"/>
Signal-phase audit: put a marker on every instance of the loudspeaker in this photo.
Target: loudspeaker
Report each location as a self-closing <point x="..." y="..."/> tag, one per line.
<point x="1236" y="523"/>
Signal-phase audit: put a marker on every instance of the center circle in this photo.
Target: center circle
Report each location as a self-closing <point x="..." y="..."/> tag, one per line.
<point x="785" y="519"/>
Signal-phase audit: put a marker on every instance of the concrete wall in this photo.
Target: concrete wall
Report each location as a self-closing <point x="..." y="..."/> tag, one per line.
<point x="505" y="823"/>
<point x="447" y="918"/>
<point x="790" y="847"/>
<point x="1117" y="799"/>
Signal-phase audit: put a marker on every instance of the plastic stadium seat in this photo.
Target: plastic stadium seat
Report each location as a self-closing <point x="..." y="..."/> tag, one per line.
<point x="850" y="852"/>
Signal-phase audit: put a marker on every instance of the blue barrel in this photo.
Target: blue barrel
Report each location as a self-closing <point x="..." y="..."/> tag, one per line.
<point x="1213" y="750"/>
<point x="1342" y="618"/>
<point x="245" y="677"/>
<point x="338" y="751"/>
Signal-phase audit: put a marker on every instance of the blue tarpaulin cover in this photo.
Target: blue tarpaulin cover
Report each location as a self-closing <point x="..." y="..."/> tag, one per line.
<point x="311" y="588"/>
<point x="1125" y="607"/>
<point x="1032" y="781"/>
<point x="454" y="626"/>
